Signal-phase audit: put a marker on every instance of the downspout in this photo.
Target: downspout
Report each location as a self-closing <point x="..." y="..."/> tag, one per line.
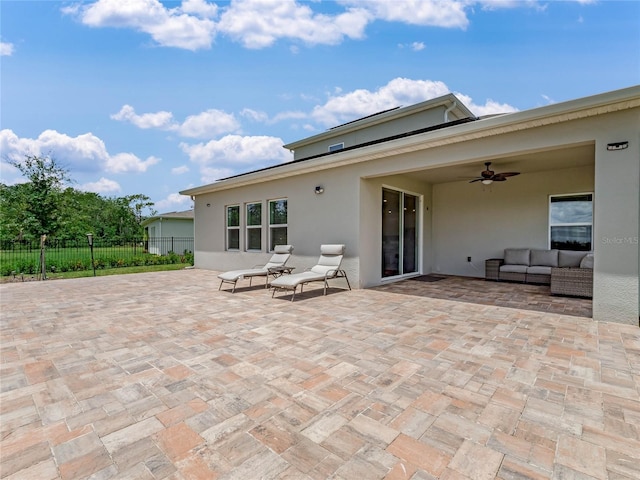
<point x="446" y="112"/>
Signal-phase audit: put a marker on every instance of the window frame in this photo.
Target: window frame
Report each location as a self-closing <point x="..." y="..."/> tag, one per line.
<point x="569" y="224"/>
<point x="252" y="227"/>
<point x="277" y="225"/>
<point x="230" y="228"/>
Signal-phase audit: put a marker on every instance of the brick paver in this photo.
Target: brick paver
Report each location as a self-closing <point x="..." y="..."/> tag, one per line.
<point x="161" y="376"/>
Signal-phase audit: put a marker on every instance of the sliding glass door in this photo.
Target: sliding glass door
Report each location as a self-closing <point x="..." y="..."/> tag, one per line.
<point x="399" y="233"/>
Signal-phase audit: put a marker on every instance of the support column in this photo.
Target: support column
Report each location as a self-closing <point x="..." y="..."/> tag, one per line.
<point x="616" y="224"/>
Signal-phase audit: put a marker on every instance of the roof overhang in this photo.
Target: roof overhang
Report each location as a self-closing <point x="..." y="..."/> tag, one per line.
<point x="498" y="125"/>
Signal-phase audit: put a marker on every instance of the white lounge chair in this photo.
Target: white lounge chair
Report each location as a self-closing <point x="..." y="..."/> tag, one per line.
<point x="328" y="267"/>
<point x="281" y="253"/>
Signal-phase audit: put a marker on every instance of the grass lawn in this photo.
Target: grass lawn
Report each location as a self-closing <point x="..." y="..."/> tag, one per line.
<point x="101" y="272"/>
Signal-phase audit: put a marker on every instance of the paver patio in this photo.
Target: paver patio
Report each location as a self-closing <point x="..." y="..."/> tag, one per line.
<point x="161" y="376"/>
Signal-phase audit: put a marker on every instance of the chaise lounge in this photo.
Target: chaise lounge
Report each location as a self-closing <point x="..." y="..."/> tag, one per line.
<point x="281" y="253"/>
<point x="328" y="267"/>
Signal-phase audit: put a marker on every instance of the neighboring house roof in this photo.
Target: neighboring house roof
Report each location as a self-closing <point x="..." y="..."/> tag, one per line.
<point x="443" y="134"/>
<point x="184" y="215"/>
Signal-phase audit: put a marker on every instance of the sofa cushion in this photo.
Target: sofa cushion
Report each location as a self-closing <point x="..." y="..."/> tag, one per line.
<point x="587" y="261"/>
<point x="516" y="256"/>
<point x="570" y="258"/>
<point x="544" y="258"/>
<point x="538" y="270"/>
<point x="514" y="268"/>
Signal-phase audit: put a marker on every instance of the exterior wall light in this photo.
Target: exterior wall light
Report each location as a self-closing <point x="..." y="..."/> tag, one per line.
<point x="319" y="189"/>
<point x="617" y="145"/>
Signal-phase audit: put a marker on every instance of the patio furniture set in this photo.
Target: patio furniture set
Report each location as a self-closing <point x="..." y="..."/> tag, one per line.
<point x="326" y="268"/>
<point x="567" y="272"/>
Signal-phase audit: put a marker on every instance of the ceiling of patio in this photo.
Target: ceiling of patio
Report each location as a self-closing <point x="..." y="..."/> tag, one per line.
<point x="540" y="161"/>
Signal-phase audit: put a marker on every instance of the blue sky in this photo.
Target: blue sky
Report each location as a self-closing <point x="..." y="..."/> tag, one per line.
<point x="143" y="96"/>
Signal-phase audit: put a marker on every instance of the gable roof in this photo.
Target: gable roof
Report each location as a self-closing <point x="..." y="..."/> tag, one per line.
<point x="446" y="134"/>
<point x="455" y="111"/>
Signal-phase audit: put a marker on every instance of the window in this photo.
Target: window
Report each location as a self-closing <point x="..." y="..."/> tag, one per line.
<point x="277" y="223"/>
<point x="336" y="147"/>
<point x="571" y="221"/>
<point x="254" y="226"/>
<point x="233" y="227"/>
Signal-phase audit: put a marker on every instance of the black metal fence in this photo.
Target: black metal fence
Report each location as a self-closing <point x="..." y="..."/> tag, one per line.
<point x="19" y="257"/>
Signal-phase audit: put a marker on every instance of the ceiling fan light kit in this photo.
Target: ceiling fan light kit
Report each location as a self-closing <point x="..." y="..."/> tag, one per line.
<point x="489" y="176"/>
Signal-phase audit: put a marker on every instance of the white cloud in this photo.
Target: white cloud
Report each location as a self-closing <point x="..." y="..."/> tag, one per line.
<point x="173" y="202"/>
<point x="104" y="185"/>
<point x="361" y="102"/>
<point x="399" y="92"/>
<point x="194" y="24"/>
<point x="85" y="152"/>
<point x="181" y="170"/>
<point x="259" y="23"/>
<point x="204" y="125"/>
<point x="490" y="107"/>
<point x="208" y="124"/>
<point x="6" y="49"/>
<point x="146" y="120"/>
<point x="129" y="163"/>
<point x="200" y="7"/>
<point x="417" y="12"/>
<point x="235" y="150"/>
<point x="185" y="27"/>
<point x="417" y="46"/>
<point x="210" y="175"/>
<point x="254" y="115"/>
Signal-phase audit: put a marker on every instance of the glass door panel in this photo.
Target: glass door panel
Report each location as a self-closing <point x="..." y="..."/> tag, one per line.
<point x="390" y="233"/>
<point x="410" y="232"/>
<point x="399" y="233"/>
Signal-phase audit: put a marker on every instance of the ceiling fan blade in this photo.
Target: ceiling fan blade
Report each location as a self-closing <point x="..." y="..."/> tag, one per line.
<point x="477" y="180"/>
<point x="508" y="174"/>
<point x="499" y="178"/>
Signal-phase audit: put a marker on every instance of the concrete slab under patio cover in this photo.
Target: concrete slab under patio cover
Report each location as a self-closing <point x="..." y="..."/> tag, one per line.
<point x="162" y="376"/>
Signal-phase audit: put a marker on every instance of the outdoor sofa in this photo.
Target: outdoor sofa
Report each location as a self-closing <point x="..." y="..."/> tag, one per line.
<point x="567" y="272"/>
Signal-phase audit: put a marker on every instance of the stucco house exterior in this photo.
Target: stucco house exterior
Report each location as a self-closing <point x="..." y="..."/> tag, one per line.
<point x="170" y="232"/>
<point x="395" y="188"/>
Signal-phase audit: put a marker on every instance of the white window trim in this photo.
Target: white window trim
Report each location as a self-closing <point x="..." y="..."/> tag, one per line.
<point x="228" y="228"/>
<point x="580" y="224"/>
<point x="276" y="225"/>
<point x="253" y="227"/>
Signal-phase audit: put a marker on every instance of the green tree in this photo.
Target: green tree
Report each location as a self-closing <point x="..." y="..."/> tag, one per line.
<point x="40" y="197"/>
<point x="44" y="206"/>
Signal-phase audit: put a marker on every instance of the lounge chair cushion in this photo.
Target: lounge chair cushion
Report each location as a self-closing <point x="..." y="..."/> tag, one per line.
<point x="292" y="281"/>
<point x="280" y="256"/>
<point x="235" y="275"/>
<point x="516" y="256"/>
<point x="327" y="267"/>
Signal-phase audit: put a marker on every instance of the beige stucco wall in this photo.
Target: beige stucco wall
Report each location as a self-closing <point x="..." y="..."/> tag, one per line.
<point x="313" y="219"/>
<point x="481" y="221"/>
